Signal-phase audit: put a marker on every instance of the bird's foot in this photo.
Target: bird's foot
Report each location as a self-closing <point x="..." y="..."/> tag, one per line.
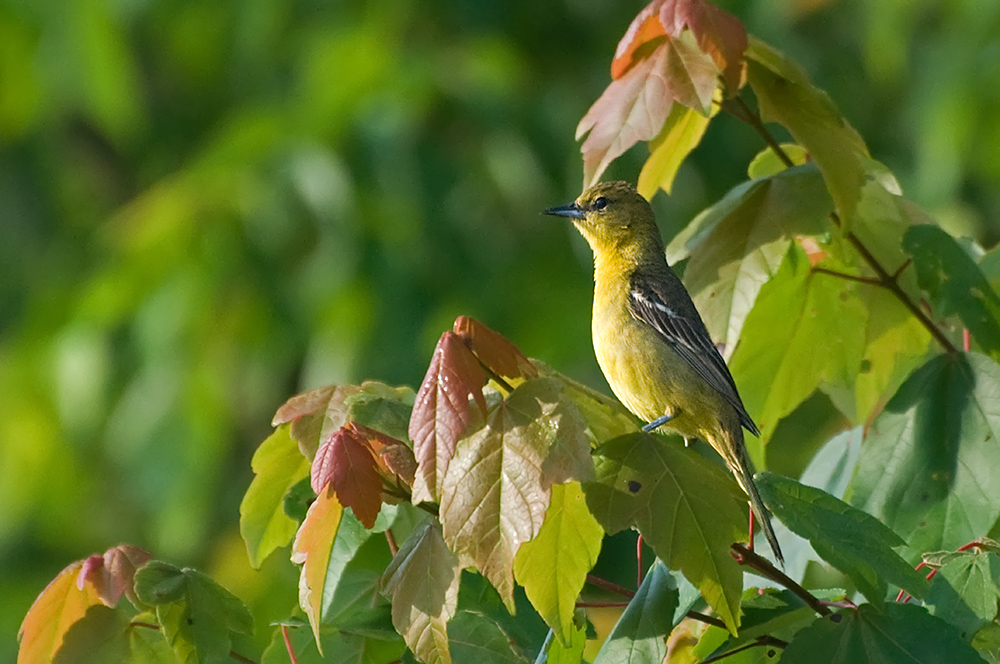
<point x="660" y="421"/>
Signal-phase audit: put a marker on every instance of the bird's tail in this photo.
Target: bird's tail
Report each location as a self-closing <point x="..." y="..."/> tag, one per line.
<point x="741" y="466"/>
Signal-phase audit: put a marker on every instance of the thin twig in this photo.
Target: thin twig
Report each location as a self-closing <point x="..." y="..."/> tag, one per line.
<point x="638" y="560"/>
<point x="391" y="539"/>
<point x="765" y="640"/>
<point x="610" y="587"/>
<point x="739" y="109"/>
<point x="708" y="620"/>
<point x="745" y="556"/>
<point x="871" y="281"/>
<point x="288" y="644"/>
<point x="591" y="605"/>
<point x="241" y="658"/>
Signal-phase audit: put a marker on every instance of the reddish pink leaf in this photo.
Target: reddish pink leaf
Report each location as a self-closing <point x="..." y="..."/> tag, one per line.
<point x="493" y="349"/>
<point x="394" y="457"/>
<point x="315" y="415"/>
<point x="441" y="412"/>
<point x="345" y="463"/>
<point x="718" y="33"/>
<point x="111" y="575"/>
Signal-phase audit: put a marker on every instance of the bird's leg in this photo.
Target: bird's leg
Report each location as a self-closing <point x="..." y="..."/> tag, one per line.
<point x="750" y="538"/>
<point x="660" y="421"/>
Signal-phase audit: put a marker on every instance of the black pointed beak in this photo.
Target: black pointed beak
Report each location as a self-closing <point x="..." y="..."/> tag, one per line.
<point x="572" y="210"/>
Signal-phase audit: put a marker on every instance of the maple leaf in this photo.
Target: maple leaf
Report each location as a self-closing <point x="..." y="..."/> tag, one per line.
<point x="499" y="483"/>
<point x="111" y="575"/>
<point x="311" y="549"/>
<point x="346" y="464"/>
<point x="441" y="412"/>
<point x="494" y="350"/>
<point x="61" y="604"/>
<point x="635" y="106"/>
<point x="423" y="581"/>
<point x="719" y="35"/>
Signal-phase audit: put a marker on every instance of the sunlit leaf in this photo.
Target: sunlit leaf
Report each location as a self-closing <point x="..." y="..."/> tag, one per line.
<point x="634" y="107"/>
<point x="343" y="647"/>
<point x="554" y="652"/>
<point x="195" y="613"/>
<point x="441" y="412"/>
<point x="900" y="633"/>
<point x="641" y="632"/>
<point x="955" y="284"/>
<point x="346" y="464"/>
<point x="423" y="581"/>
<point x="311" y="549"/>
<point x="498" y="485"/>
<point x="606" y="418"/>
<point x="932" y="457"/>
<point x="60" y="605"/>
<point x="741" y="242"/>
<point x="681" y="134"/>
<point x="717" y="33"/>
<point x="111" y="574"/>
<point x="553" y="566"/>
<point x="494" y="350"/>
<point x="278" y="465"/>
<point x="776" y="365"/>
<point x="768" y="163"/>
<point x="688" y="510"/>
<point x="787" y="97"/>
<point x="856" y="543"/>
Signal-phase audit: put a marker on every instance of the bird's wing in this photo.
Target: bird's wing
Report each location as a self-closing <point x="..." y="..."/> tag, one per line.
<point x="687" y="336"/>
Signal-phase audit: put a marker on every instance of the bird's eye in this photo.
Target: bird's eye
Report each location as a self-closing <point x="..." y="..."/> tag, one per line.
<point x="600" y="203"/>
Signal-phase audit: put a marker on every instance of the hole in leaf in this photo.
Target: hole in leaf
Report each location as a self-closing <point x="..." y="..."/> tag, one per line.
<point x="634" y="486"/>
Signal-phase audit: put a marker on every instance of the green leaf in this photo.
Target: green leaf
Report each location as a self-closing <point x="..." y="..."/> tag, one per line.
<point x="477" y="638"/>
<point x="554" y="652"/>
<point x="681" y="134"/>
<point x="606" y="418"/>
<point x="741" y="242"/>
<point x="498" y="483"/>
<point x="100" y="636"/>
<point x="423" y="581"/>
<point x="688" y="510"/>
<point x="854" y="542"/>
<point x="357" y="562"/>
<point x="640" y="634"/>
<point x="278" y="465"/>
<point x="768" y="163"/>
<point x="932" y="457"/>
<point x="902" y="633"/>
<point x="196" y="614"/>
<point x="964" y="592"/>
<point x="553" y="566"/>
<point x="955" y="284"/>
<point x="776" y="365"/>
<point x="786" y="96"/>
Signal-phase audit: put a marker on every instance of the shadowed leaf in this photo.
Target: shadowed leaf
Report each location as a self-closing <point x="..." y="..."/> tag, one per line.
<point x="60" y="605"/>
<point x="423" y="582"/>
<point x="688" y="510"/>
<point x="641" y="632"/>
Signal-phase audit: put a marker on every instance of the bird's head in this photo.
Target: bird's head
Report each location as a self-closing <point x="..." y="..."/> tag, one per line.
<point x="613" y="217"/>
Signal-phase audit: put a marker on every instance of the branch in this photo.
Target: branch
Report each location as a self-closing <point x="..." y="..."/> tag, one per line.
<point x="762" y="566"/>
<point x="765" y="640"/>
<point x="610" y="587"/>
<point x="850" y="277"/>
<point x="739" y="109"/>
<point x="708" y="620"/>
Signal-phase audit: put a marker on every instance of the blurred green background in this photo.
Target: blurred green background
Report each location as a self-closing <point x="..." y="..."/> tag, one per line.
<point x="208" y="206"/>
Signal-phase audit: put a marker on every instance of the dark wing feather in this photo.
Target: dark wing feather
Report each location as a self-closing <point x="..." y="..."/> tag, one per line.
<point x="682" y="328"/>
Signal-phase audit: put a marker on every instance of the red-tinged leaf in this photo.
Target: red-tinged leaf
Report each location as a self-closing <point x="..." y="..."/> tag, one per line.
<point x="111" y="575"/>
<point x="315" y="415"/>
<point x="423" y="581"/>
<point x="645" y="27"/>
<point x="311" y="549"/>
<point x="493" y="349"/>
<point x="635" y="107"/>
<point x="719" y="34"/>
<point x="60" y="605"/>
<point x="393" y="457"/>
<point x="441" y="412"/>
<point x="345" y="463"/>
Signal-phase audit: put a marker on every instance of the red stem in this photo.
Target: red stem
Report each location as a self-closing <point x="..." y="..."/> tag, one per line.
<point x="288" y="644"/>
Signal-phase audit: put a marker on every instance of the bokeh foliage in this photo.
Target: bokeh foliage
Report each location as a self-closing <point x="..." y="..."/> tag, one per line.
<point x="208" y="206"/>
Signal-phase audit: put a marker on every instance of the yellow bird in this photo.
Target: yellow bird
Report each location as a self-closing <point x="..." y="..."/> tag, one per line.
<point x="649" y="339"/>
